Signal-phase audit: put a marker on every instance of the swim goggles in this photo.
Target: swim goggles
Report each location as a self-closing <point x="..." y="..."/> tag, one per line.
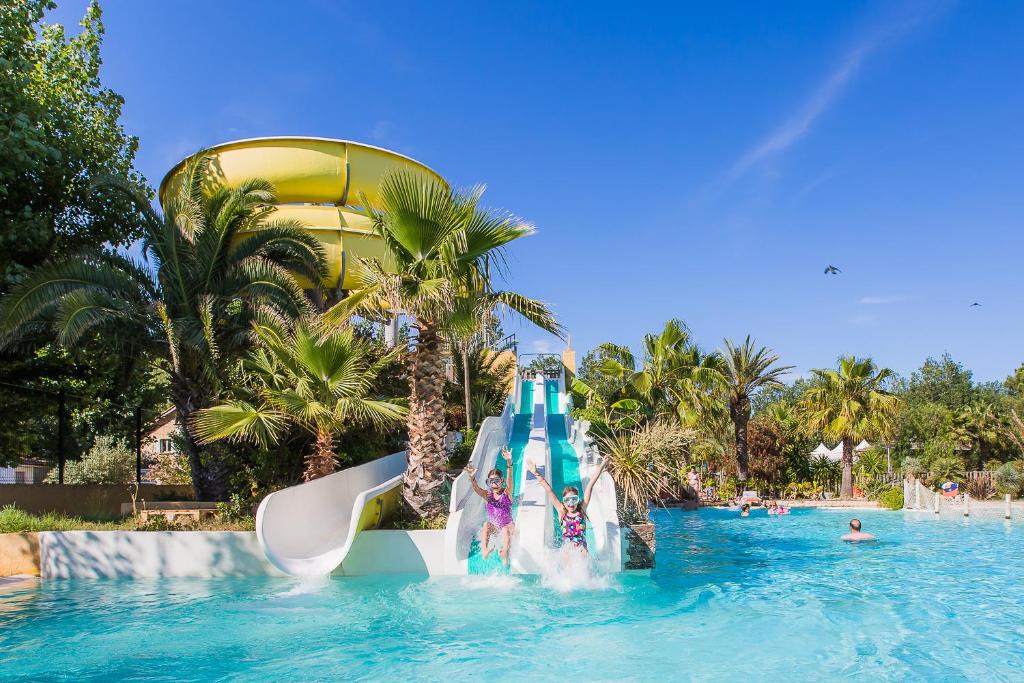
<point x="571" y="499"/>
<point x="494" y="480"/>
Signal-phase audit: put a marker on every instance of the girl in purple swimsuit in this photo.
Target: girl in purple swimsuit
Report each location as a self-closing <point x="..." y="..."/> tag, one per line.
<point x="499" y="506"/>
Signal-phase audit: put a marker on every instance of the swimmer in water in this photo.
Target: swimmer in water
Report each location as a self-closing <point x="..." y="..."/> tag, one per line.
<point x="745" y="510"/>
<point x="856" y="534"/>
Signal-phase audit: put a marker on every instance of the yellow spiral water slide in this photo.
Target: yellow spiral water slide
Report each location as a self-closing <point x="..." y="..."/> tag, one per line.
<point x="309" y="529"/>
<point x="318" y="181"/>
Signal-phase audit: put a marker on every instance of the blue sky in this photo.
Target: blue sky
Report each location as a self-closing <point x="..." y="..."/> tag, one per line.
<point x="704" y="161"/>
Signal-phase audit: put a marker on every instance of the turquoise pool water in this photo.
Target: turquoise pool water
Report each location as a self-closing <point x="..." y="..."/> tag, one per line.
<point x="758" y="598"/>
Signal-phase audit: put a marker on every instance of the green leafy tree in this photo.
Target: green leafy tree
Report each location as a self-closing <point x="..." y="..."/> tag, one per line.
<point x="1015" y="382"/>
<point x="942" y="381"/>
<point x="747" y="369"/>
<point x="472" y="323"/>
<point x="435" y="239"/>
<point x="673" y="378"/>
<point x="192" y="306"/>
<point x="170" y="468"/>
<point x="602" y="385"/>
<point x="847" y="404"/>
<point x="61" y="131"/>
<point x="490" y="376"/>
<point x="321" y="380"/>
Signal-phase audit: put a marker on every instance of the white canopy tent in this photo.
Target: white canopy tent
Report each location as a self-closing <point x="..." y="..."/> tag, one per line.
<point x="822" y="449"/>
<point x="836" y="454"/>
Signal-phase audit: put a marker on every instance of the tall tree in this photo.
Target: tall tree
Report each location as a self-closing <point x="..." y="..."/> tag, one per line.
<point x="489" y="373"/>
<point x="319" y="379"/>
<point x="673" y="378"/>
<point x="193" y="301"/>
<point x="748" y="369"/>
<point x="61" y="130"/>
<point x="848" y="404"/>
<point x="435" y="238"/>
<point x="473" y="319"/>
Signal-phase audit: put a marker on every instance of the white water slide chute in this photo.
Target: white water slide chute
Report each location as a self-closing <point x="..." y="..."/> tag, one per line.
<point x="307" y="530"/>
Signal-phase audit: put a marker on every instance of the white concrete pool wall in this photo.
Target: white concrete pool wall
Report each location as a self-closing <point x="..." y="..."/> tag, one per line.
<point x="206" y="554"/>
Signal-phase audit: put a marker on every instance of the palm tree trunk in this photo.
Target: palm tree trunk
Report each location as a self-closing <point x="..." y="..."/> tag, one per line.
<point x="846" y="490"/>
<point x="320" y="462"/>
<point x="465" y="385"/>
<point x="740" y="420"/>
<point x="423" y="481"/>
<point x="208" y="483"/>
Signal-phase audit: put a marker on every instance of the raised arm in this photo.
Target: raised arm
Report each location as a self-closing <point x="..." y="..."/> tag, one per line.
<point x="480" y="490"/>
<point x="593" y="480"/>
<point x="547" y="487"/>
<point x="510" y="485"/>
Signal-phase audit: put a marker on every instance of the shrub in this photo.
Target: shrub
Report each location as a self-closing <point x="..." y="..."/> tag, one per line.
<point x="108" y="462"/>
<point x="874" y="488"/>
<point x="1008" y="479"/>
<point x="979" y="488"/>
<point x="892" y="499"/>
<point x="803" y="489"/>
<point x="727" y="490"/>
<point x="460" y="454"/>
<point x="170" y="468"/>
<point x="638" y="460"/>
<point x="13" y="520"/>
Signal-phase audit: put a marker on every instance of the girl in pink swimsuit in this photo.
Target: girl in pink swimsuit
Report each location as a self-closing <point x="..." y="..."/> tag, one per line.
<point x="499" y="506"/>
<point x="572" y="511"/>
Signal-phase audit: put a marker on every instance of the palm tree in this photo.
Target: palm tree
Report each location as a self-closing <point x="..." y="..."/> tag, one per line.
<point x="848" y="404"/>
<point x="435" y="240"/>
<point x="748" y="369"/>
<point x="472" y="319"/>
<point x="318" y="379"/>
<point x="486" y="377"/>
<point x="674" y="378"/>
<point x="192" y="300"/>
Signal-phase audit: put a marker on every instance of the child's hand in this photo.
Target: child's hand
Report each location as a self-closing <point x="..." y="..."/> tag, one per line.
<point x="470" y="470"/>
<point x="506" y="453"/>
<point x="531" y="466"/>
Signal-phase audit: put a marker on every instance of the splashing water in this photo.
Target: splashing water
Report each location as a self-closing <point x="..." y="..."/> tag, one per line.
<point x="307" y="586"/>
<point x="491" y="582"/>
<point x="566" y="569"/>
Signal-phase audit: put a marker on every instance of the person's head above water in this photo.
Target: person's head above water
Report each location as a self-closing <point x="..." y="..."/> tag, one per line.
<point x="856" y="534"/>
<point x="496" y="480"/>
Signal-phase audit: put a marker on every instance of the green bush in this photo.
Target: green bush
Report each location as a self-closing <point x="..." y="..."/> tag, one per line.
<point x="892" y="499"/>
<point x="874" y="488"/>
<point x="1008" y="479"/>
<point x="108" y="462"/>
<point x="460" y="454"/>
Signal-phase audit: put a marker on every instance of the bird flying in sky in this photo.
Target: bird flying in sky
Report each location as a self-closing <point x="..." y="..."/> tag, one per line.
<point x="832" y="270"/>
<point x="975" y="304"/>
